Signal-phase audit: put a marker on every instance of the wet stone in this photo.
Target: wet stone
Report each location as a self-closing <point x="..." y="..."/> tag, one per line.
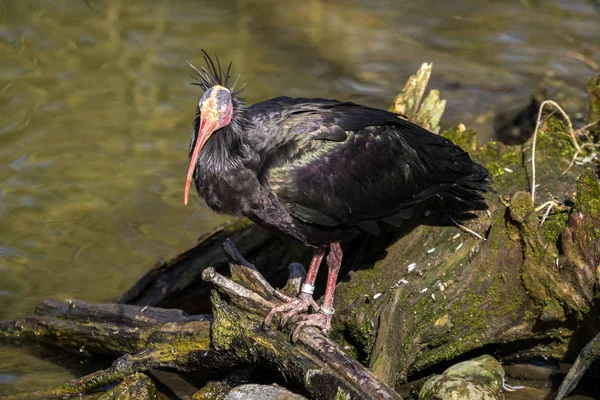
<point x="262" y="392"/>
<point x="477" y="379"/>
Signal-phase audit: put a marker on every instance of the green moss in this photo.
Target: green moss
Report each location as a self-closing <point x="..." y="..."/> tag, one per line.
<point x="341" y="395"/>
<point x="356" y="325"/>
<point x="506" y="164"/>
<point x="552" y="311"/>
<point x="495" y="295"/>
<point x="362" y="337"/>
<point x="136" y="386"/>
<point x="529" y="316"/>
<point x="556" y="349"/>
<point x="504" y="156"/>
<point x="594" y="106"/>
<point x="553" y="226"/>
<point x="465" y="139"/>
<point x="185" y="345"/>
<point x="554" y="140"/>
<point x="543" y="285"/>
<point x="470" y="321"/>
<point x="468" y="311"/>
<point x="225" y="326"/>
<point x="588" y="193"/>
<point x="500" y="159"/>
<point x="480" y="378"/>
<point x="521" y="209"/>
<point x="504" y="301"/>
<point x="484" y="370"/>
<point x="213" y="390"/>
<point x="354" y="329"/>
<point x="588" y="202"/>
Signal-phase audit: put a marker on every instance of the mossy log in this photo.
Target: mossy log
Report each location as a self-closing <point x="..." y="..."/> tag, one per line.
<point x="519" y="278"/>
<point x="234" y="336"/>
<point x="133" y="387"/>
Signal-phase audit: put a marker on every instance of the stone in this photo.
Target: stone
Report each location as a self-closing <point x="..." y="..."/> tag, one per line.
<point x="262" y="392"/>
<point x="478" y="379"/>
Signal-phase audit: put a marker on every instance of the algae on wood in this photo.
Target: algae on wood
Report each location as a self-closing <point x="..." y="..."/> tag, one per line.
<point x="594" y="107"/>
<point x="237" y="338"/>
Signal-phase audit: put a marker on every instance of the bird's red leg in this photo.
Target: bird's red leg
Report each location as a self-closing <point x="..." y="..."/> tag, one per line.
<point x="322" y="319"/>
<point x="305" y="299"/>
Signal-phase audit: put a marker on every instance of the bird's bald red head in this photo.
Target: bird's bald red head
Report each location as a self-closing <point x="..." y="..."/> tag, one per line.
<point x="216" y="111"/>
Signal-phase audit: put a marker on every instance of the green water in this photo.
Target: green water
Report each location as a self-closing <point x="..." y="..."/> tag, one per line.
<point x="96" y="108"/>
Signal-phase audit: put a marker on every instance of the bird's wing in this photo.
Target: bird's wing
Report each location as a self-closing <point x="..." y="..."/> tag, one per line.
<point x="333" y="163"/>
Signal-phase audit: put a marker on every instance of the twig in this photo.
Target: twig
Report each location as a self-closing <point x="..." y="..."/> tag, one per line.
<point x="587" y="126"/>
<point x="464" y="228"/>
<point x="537" y="126"/>
<point x="585" y="358"/>
<point x="231" y="287"/>
<point x="547" y="213"/>
<point x="574" y="159"/>
<point x="256" y="281"/>
<point x="572" y="162"/>
<point x="578" y="132"/>
<point x="246" y="272"/>
<point x="546" y="204"/>
<point x="549" y="205"/>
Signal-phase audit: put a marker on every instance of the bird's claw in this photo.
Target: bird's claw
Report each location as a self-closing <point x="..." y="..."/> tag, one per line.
<point x="300" y="304"/>
<point x="319" y="320"/>
<point x="283" y="297"/>
<point x="295" y="311"/>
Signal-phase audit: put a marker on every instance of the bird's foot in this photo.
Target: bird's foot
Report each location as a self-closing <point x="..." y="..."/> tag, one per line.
<point x="321" y="320"/>
<point x="300" y="304"/>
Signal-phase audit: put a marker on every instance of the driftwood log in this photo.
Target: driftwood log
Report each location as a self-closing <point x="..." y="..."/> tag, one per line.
<point x="158" y="338"/>
<point x="518" y="279"/>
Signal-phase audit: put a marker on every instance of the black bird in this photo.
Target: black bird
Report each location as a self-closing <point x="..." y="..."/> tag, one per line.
<point x="319" y="171"/>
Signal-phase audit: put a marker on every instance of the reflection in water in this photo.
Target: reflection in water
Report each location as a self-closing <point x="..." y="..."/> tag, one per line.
<point x="95" y="111"/>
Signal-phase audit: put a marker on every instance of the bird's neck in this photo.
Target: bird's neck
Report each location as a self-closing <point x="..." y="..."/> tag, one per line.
<point x="227" y="146"/>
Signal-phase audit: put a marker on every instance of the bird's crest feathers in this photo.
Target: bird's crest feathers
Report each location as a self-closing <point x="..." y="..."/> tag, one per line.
<point x="213" y="74"/>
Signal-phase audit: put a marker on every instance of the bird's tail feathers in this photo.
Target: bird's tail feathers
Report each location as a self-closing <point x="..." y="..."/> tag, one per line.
<point x="469" y="190"/>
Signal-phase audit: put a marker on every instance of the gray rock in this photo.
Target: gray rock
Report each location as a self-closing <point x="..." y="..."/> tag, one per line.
<point x="477" y="379"/>
<point x="262" y="392"/>
<point x="444" y="387"/>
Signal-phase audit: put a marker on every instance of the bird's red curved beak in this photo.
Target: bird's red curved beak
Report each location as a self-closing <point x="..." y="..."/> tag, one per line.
<point x="208" y="124"/>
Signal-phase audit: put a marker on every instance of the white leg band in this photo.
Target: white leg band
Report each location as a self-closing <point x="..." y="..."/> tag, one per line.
<point x="308" y="289"/>
<point x="327" y="311"/>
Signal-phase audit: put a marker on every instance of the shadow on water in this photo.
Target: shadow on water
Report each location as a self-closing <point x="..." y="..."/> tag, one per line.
<point x="96" y="108"/>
